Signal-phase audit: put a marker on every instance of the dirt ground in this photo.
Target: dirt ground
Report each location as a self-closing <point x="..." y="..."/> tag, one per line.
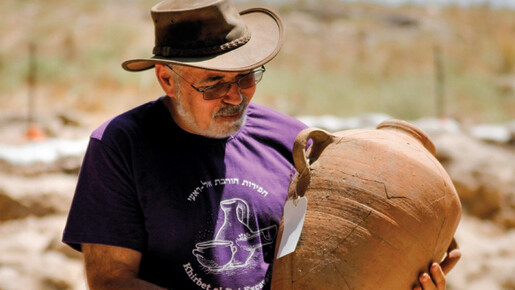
<point x="35" y="197"/>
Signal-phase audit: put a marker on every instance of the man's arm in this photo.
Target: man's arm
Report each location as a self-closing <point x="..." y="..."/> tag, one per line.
<point x="110" y="267"/>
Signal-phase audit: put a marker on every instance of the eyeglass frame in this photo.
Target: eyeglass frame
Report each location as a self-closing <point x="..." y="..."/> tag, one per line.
<point x="202" y="91"/>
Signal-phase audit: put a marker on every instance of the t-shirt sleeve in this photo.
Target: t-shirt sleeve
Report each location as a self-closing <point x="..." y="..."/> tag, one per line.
<point x="105" y="208"/>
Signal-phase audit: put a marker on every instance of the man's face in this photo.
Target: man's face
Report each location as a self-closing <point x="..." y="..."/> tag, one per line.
<point x="218" y="118"/>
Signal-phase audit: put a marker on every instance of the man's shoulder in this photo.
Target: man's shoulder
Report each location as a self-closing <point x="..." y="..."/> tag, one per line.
<point x="127" y="122"/>
<point x="262" y="116"/>
<point x="268" y="115"/>
<point x="272" y="127"/>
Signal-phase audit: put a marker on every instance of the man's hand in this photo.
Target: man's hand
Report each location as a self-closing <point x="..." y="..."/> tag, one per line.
<point x="437" y="278"/>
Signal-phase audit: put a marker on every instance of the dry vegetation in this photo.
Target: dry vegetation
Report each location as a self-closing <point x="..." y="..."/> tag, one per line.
<point x="340" y="59"/>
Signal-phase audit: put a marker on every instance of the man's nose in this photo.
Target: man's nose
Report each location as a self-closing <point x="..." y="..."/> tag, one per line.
<point x="233" y="96"/>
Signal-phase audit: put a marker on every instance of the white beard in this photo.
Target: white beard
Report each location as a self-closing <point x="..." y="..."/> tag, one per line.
<point x="217" y="128"/>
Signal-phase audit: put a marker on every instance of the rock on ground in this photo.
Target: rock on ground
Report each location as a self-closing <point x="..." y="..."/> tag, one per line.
<point x="488" y="260"/>
<point x="30" y="259"/>
<point x="483" y="174"/>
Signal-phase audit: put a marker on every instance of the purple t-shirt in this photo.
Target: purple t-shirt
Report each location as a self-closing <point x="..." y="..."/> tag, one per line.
<point x="203" y="212"/>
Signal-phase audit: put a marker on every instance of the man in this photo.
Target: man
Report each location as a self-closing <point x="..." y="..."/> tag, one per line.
<point x="186" y="191"/>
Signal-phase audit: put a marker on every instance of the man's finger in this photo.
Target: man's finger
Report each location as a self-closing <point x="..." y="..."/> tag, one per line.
<point x="427" y="283"/>
<point x="438" y="276"/>
<point x="451" y="260"/>
<point x="453" y="256"/>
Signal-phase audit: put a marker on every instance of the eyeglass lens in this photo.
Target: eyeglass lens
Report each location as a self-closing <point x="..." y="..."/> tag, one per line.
<point x="245" y="82"/>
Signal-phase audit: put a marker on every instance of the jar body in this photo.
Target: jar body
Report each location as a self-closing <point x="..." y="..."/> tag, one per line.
<point x="381" y="208"/>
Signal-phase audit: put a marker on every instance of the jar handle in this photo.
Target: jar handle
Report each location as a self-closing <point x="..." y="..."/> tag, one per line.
<point x="321" y="139"/>
<point x="410" y="130"/>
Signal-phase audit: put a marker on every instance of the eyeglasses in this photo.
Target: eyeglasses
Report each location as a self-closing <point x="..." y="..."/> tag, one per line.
<point x="220" y="90"/>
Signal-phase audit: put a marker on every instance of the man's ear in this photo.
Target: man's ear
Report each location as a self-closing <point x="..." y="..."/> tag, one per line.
<point x="165" y="79"/>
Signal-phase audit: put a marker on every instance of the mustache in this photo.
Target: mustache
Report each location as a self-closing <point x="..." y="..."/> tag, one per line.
<point x="232" y="109"/>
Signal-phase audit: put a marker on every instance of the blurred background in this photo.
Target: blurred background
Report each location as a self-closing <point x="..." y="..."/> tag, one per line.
<point x="447" y="66"/>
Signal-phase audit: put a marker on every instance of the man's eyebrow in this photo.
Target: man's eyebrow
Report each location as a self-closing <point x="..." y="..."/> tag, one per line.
<point x="214" y="78"/>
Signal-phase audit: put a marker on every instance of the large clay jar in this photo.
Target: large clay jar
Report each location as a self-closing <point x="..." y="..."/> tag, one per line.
<point x="380" y="210"/>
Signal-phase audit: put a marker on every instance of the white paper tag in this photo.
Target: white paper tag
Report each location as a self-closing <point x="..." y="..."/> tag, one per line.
<point x="293" y="220"/>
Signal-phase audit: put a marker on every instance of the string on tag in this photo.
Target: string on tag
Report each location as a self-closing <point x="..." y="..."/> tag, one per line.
<point x="301" y="174"/>
<point x="295" y="195"/>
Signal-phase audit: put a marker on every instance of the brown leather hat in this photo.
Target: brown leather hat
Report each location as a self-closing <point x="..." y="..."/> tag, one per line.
<point x="211" y="35"/>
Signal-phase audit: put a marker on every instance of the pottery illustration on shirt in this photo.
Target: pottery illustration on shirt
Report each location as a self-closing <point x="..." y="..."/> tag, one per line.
<point x="235" y="242"/>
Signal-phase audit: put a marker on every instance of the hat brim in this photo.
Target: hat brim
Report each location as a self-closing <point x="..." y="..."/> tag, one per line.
<point x="267" y="35"/>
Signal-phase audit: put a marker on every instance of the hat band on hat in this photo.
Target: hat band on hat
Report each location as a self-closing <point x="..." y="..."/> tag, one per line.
<point x="168" y="51"/>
